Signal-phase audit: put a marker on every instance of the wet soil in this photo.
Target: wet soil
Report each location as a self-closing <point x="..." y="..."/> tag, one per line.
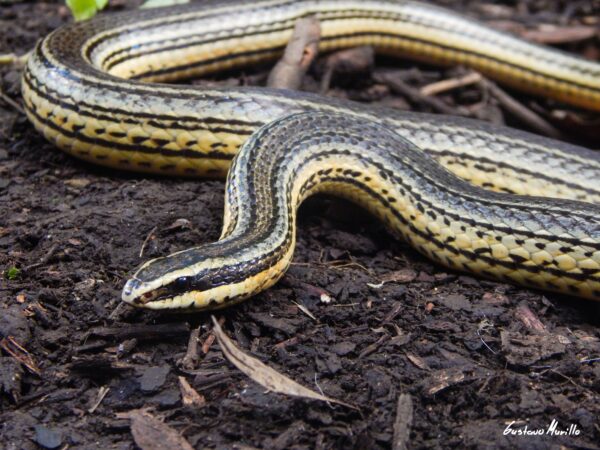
<point x="470" y="356"/>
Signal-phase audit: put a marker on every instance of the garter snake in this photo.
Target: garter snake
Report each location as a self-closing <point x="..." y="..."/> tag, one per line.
<point x="95" y="89"/>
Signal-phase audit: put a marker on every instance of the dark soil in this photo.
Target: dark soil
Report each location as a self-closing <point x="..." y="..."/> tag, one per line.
<point x="472" y="356"/>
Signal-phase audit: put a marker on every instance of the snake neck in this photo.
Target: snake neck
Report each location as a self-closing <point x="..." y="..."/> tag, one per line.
<point x="547" y="243"/>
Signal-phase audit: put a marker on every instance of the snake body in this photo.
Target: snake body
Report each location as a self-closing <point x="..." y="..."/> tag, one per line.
<point x="92" y="88"/>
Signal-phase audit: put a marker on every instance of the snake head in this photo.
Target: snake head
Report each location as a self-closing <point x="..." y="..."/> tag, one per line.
<point x="187" y="280"/>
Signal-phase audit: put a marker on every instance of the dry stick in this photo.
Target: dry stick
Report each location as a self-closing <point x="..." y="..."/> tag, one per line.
<point x="299" y="54"/>
<point x="561" y="35"/>
<point x="413" y="95"/>
<point x="210" y="339"/>
<point x="9" y="101"/>
<point x="452" y="83"/>
<point x="190" y="360"/>
<point x="44" y="259"/>
<point x="520" y="111"/>
<point x="142" y="332"/>
<point x="150" y="235"/>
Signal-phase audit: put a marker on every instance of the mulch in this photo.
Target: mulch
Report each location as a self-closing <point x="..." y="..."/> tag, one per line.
<point x="391" y="333"/>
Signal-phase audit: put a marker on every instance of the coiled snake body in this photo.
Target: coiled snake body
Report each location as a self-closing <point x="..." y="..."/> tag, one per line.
<point x="88" y="87"/>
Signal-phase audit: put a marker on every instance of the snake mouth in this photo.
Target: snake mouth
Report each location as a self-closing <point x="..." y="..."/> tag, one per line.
<point x="131" y="293"/>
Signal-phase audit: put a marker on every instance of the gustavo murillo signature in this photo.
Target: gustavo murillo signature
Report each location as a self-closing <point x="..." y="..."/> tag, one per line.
<point x="554" y="429"/>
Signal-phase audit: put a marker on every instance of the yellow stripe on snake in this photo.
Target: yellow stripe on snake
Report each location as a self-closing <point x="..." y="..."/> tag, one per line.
<point x="492" y="201"/>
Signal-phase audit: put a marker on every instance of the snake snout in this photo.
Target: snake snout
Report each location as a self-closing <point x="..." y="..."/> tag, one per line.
<point x="130" y="289"/>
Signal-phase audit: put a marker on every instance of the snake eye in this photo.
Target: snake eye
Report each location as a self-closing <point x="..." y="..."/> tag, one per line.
<point x="182" y="283"/>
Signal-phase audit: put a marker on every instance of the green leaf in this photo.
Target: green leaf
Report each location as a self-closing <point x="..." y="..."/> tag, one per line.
<point x="84" y="9"/>
<point x="12" y="273"/>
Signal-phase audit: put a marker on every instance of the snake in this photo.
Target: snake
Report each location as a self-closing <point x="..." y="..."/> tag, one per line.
<point x="488" y="200"/>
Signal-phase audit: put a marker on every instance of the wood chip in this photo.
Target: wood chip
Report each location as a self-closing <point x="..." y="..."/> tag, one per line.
<point x="264" y="375"/>
<point x="529" y="319"/>
<point x="149" y="433"/>
<point x="445" y="378"/>
<point x="418" y="362"/>
<point x="78" y="183"/>
<point x="403" y="422"/>
<point x="189" y="395"/>
<point x="399" y="276"/>
<point x="525" y="350"/>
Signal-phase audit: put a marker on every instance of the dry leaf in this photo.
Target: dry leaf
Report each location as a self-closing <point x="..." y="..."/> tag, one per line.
<point x="263" y="374"/>
<point x="149" y="433"/>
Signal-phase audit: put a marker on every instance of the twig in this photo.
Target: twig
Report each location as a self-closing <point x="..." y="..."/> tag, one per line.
<point x="20" y="353"/>
<point x="520" y="111"/>
<point x="415" y="96"/>
<point x="210" y="339"/>
<point x="101" y="394"/>
<point x="450" y="84"/>
<point x="560" y="35"/>
<point x="147" y="240"/>
<point x="44" y="259"/>
<point x="299" y="54"/>
<point x="190" y="359"/>
<point x="9" y="101"/>
<point x="142" y="332"/>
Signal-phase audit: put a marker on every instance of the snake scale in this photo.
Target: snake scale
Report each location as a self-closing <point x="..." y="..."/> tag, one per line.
<point x="488" y="200"/>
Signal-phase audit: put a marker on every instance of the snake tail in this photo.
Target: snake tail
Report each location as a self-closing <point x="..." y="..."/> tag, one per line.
<point x="553" y="244"/>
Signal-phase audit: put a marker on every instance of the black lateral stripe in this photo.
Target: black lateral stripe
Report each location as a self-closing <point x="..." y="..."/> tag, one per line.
<point x="349" y="14"/>
<point x="191" y="154"/>
<point x="506" y="230"/>
<point x="194" y="123"/>
<point x="198" y="39"/>
<point x="194" y="154"/>
<point x="520" y="169"/>
<point x="185" y="67"/>
<point x="467" y="254"/>
<point x="417" y="197"/>
<point x="136" y="26"/>
<point x="206" y="62"/>
<point x="270" y="258"/>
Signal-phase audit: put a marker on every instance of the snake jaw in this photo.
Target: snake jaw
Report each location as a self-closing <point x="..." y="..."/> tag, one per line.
<point x="133" y="292"/>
